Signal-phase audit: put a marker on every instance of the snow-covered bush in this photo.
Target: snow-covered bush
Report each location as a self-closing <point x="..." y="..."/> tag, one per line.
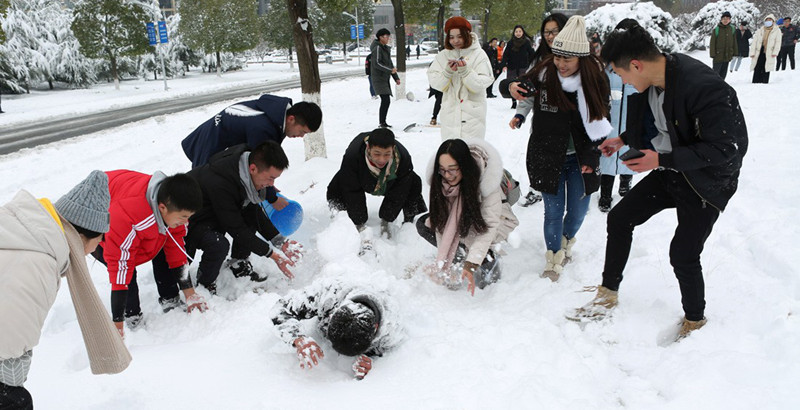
<point x="709" y="16"/>
<point x="229" y="62"/>
<point x="658" y="23"/>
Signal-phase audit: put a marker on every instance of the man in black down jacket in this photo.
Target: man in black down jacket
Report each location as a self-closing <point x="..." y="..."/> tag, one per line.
<point x="234" y="183"/>
<point x="695" y="160"/>
<point x="375" y="163"/>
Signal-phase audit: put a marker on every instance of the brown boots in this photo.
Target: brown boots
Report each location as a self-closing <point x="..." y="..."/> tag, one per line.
<point x="598" y="308"/>
<point x="688" y="326"/>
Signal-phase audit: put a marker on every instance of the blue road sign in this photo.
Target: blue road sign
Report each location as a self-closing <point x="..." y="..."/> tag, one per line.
<point x="353" y="31"/>
<point x="162" y="32"/>
<point x="151" y="34"/>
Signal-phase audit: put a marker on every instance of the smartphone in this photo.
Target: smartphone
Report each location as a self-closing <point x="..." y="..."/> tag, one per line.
<point x="631" y="153"/>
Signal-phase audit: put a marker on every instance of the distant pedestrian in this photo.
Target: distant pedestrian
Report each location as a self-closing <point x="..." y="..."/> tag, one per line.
<point x="437" y="105"/>
<point x="517" y="56"/>
<point x="723" y="45"/>
<point x="789" y="40"/>
<point x="743" y="36"/>
<point x="764" y="50"/>
<point x="408" y="52"/>
<point x="382" y="68"/>
<point x="491" y="53"/>
<point x="417" y="51"/>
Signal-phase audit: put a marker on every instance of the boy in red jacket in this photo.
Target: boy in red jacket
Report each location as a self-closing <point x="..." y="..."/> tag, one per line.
<point x="148" y="222"/>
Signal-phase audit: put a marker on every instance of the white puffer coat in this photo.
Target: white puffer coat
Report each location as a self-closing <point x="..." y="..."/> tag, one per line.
<point x="494" y="209"/>
<point x="463" y="113"/>
<point x="33" y="255"/>
<point x="773" y="46"/>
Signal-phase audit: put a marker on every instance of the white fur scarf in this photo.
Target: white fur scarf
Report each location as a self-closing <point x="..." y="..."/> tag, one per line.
<point x="596" y="130"/>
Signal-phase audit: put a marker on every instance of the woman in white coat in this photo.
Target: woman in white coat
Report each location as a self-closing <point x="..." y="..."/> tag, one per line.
<point x="470" y="213"/>
<point x="462" y="72"/>
<point x="764" y="50"/>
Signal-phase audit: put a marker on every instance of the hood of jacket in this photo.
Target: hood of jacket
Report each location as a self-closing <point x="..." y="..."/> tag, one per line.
<point x="488" y="160"/>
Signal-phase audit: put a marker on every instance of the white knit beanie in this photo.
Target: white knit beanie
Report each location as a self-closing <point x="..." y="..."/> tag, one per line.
<point x="571" y="41"/>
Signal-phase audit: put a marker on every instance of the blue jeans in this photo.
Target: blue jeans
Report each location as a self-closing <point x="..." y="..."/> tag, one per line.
<point x="570" y="195"/>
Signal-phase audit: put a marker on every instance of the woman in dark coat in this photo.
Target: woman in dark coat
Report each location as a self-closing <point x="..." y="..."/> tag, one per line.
<point x="382" y="68"/>
<point x="518" y="55"/>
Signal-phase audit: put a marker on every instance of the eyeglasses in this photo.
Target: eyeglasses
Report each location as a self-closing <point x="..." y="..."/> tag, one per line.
<point x="551" y="33"/>
<point x="452" y="172"/>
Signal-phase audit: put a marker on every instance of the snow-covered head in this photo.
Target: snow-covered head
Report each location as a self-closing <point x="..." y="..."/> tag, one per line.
<point x="353" y="325"/>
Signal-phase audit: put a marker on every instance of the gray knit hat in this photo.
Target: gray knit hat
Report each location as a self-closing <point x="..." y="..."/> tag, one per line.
<point x="86" y="204"/>
<point x="571" y="40"/>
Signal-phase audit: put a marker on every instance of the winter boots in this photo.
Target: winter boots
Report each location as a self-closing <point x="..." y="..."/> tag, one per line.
<point x="606" y="186"/>
<point x="489" y="272"/>
<point x="134" y="321"/>
<point x="566" y="246"/>
<point x="604" y="203"/>
<point x="433" y="121"/>
<point x="624" y="184"/>
<point x="243" y="268"/>
<point x="531" y="199"/>
<point x="598" y="308"/>
<point x="554" y="265"/>
<point x="688" y="326"/>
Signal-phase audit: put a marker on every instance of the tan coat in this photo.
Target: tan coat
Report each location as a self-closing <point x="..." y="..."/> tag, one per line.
<point x="34" y="254"/>
<point x="498" y="214"/>
<point x="772" y="50"/>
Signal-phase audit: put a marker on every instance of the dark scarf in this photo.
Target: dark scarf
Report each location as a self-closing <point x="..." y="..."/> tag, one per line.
<point x="517" y="43"/>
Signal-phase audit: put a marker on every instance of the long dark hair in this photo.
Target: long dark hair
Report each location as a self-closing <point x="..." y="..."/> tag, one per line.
<point x="593" y="80"/>
<point x="516" y="43"/>
<point x="470" y="184"/>
<point x="544" y="49"/>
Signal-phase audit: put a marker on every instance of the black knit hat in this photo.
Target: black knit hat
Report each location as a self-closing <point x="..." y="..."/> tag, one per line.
<point x="726" y="14"/>
<point x="353" y="326"/>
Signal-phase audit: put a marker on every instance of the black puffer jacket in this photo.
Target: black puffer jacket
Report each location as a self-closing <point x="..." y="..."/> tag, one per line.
<point x="223" y="196"/>
<point x="706" y="128"/>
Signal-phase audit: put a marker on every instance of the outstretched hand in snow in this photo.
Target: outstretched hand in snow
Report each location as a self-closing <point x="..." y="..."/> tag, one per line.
<point x="283" y="264"/>
<point x="292" y="249"/>
<point x="362" y="366"/>
<point x="308" y="352"/>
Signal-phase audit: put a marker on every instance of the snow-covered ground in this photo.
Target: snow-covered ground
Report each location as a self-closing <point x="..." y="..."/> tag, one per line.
<point x="509" y="346"/>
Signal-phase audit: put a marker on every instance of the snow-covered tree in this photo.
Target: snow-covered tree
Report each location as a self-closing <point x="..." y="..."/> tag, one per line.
<point x="709" y="16"/>
<point x="780" y="8"/>
<point x="110" y="29"/>
<point x="656" y="21"/>
<point x="177" y="55"/>
<point x="216" y="26"/>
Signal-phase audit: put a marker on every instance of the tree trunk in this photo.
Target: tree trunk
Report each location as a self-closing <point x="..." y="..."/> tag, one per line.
<point x="309" y="70"/>
<point x="400" y="41"/>
<point x="114" y="73"/>
<point x="440" y="27"/>
<point x="219" y="64"/>
<point x="344" y="51"/>
<point x="50" y="83"/>
<point x="291" y="59"/>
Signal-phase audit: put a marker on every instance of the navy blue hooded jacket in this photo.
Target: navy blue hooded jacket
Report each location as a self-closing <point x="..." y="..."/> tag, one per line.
<point x="249" y="122"/>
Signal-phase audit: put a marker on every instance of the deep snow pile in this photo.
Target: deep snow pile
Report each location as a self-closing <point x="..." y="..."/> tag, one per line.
<point x="509" y="346"/>
<point x="658" y="22"/>
<point x="709" y="16"/>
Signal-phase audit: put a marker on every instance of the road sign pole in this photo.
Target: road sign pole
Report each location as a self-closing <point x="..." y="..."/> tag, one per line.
<point x="162" y="36"/>
<point x="358" y="44"/>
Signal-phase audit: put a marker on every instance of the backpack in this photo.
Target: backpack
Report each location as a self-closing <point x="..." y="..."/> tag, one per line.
<point x="510" y="187"/>
<point x="716" y="30"/>
<point x="367" y="62"/>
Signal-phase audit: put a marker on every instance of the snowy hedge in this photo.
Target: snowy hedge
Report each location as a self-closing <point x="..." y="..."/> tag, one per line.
<point x="658" y="23"/>
<point x="709" y="16"/>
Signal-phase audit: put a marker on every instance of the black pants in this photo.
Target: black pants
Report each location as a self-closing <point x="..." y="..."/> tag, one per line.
<point x="513" y="73"/>
<point x="386" y="99"/>
<point x="215" y="247"/>
<point x="760" y="75"/>
<point x="721" y="69"/>
<point x="658" y="191"/>
<point x="437" y="105"/>
<point x="607" y="183"/>
<point x="15" y="398"/>
<point x="125" y="303"/>
<point x="786" y="51"/>
<point x="404" y="194"/>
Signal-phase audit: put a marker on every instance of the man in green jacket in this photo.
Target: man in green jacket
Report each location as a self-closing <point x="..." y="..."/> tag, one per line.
<point x="723" y="45"/>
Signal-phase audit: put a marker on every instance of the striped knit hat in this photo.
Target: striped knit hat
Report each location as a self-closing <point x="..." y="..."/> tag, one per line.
<point x="571" y="40"/>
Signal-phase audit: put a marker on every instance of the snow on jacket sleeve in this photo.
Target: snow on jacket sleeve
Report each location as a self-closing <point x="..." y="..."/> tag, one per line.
<point x="478" y="75"/>
<point x="317" y="300"/>
<point x="121" y="245"/>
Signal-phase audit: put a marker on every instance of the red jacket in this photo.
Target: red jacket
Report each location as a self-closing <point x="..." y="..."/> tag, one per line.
<point x="134" y="237"/>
